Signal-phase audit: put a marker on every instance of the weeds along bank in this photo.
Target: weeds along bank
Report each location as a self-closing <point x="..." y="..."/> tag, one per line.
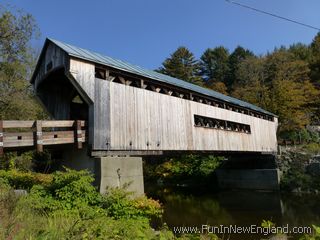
<point x="65" y="205"/>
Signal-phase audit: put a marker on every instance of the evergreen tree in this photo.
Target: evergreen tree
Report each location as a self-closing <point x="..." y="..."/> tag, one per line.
<point x="214" y="65"/>
<point x="183" y="65"/>
<point x="236" y="57"/>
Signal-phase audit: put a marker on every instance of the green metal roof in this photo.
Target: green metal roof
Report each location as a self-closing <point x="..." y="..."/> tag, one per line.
<point x="121" y="65"/>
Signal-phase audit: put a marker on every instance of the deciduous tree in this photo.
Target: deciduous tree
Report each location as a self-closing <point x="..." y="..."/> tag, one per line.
<point x="17" y="29"/>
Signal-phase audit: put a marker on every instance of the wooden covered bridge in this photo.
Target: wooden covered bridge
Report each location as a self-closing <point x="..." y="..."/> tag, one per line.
<point x="127" y="110"/>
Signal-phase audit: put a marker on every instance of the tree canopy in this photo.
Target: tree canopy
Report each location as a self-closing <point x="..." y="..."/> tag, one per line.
<point x="17" y="29"/>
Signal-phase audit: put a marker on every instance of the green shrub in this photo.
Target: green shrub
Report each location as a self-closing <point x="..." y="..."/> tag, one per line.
<point x="69" y="207"/>
<point x="24" y="180"/>
<point x="188" y="166"/>
<point x="119" y="204"/>
<point x="21" y="162"/>
<point x="313" y="148"/>
<point x="296" y="178"/>
<point x="68" y="190"/>
<point x="74" y="188"/>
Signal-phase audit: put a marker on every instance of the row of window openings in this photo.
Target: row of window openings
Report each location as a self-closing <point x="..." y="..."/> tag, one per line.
<point x="101" y="73"/>
<point x="206" y="122"/>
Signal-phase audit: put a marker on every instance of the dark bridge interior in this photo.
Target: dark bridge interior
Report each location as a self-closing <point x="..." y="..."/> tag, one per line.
<point x="60" y="97"/>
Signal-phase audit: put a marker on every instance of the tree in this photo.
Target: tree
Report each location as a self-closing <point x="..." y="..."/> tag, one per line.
<point x="300" y="51"/>
<point x="250" y="85"/>
<point x="182" y="64"/>
<point x="280" y="84"/>
<point x="236" y="57"/>
<point x="315" y="60"/>
<point x="17" y="29"/>
<point x="214" y="65"/>
<point x="219" y="87"/>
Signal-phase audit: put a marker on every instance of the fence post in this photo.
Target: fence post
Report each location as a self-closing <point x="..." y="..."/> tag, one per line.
<point x="1" y="138"/>
<point x="39" y="140"/>
<point x="78" y="134"/>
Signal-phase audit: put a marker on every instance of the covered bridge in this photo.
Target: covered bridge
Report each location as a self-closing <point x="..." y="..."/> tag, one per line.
<point x="134" y="111"/>
<point x="139" y="111"/>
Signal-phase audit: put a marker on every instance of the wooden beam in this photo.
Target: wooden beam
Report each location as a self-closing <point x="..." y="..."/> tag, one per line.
<point x="49" y="138"/>
<point x="109" y="78"/>
<point x="207" y="102"/>
<point x="155" y="89"/>
<point x="142" y="85"/>
<point x="1" y="138"/>
<point x="168" y="92"/>
<point x="18" y="124"/>
<point x="124" y="81"/>
<point x="122" y="152"/>
<point x="61" y="123"/>
<point x="39" y="141"/>
<point x="45" y="124"/>
<point x="200" y="100"/>
<point x="78" y="134"/>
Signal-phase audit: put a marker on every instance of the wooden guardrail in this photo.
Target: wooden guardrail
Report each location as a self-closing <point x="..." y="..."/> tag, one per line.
<point x="22" y="134"/>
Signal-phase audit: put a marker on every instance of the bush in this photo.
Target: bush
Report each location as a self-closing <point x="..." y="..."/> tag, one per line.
<point x="69" y="207"/>
<point x="313" y="148"/>
<point x="119" y="204"/>
<point x="188" y="167"/>
<point x="68" y="190"/>
<point x="24" y="180"/>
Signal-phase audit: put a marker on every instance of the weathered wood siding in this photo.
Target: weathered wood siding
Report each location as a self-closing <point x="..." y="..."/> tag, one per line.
<point x="122" y="117"/>
<point x="53" y="55"/>
<point x="146" y="120"/>
<point x="83" y="73"/>
<point x="101" y="122"/>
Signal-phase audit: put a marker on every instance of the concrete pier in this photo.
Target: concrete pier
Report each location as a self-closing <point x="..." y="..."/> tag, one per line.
<point x="253" y="179"/>
<point x="119" y="172"/>
<point x="109" y="172"/>
<point x="249" y="171"/>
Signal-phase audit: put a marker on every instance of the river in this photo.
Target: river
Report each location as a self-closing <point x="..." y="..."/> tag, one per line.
<point x="238" y="208"/>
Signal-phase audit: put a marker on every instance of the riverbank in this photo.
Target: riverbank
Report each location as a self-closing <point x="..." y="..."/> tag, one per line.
<point x="244" y="208"/>
<point x="300" y="168"/>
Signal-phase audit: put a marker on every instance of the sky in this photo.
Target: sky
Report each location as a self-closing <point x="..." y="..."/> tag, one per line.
<point x="146" y="32"/>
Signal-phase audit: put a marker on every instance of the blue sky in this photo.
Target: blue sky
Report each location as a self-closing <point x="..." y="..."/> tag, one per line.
<point x="145" y="32"/>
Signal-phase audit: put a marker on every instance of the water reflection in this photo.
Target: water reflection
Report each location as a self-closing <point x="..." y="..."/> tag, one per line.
<point x="242" y="208"/>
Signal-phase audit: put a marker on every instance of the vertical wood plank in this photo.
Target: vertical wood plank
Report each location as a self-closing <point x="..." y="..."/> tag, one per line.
<point x="101" y="126"/>
<point x="39" y="141"/>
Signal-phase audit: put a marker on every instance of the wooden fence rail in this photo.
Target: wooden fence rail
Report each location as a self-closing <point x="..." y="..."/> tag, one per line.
<point x="21" y="134"/>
